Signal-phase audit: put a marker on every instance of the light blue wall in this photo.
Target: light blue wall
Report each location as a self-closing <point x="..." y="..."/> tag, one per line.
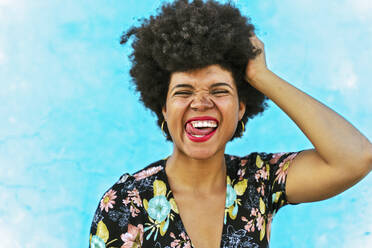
<point x="71" y="124"/>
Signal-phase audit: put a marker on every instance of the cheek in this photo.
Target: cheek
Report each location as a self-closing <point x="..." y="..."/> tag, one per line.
<point x="228" y="107"/>
<point x="175" y="106"/>
<point x="175" y="112"/>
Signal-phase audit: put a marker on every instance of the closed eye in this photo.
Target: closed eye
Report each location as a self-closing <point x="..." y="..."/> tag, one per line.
<point x="183" y="93"/>
<point x="220" y="92"/>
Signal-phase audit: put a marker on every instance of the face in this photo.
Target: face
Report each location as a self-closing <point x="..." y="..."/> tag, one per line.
<point x="202" y="111"/>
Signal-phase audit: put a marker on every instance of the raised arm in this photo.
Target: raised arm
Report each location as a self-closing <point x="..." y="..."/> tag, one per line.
<point x="342" y="155"/>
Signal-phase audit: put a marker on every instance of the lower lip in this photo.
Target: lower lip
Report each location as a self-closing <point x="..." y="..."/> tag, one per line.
<point x="201" y="139"/>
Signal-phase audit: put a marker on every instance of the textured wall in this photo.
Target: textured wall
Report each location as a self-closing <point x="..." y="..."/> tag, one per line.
<point x="70" y="123"/>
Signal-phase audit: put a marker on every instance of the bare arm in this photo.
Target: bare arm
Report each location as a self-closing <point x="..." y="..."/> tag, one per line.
<point x="342" y="155"/>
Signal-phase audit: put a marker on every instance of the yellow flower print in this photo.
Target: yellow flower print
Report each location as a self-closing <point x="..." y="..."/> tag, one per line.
<point x="259" y="162"/>
<point x="173" y="205"/>
<point x="102" y="231"/>
<point x="241" y="186"/>
<point x="232" y="202"/>
<point x="276" y="196"/>
<point x="102" y="235"/>
<point x="262" y="206"/>
<point x="159" y="188"/>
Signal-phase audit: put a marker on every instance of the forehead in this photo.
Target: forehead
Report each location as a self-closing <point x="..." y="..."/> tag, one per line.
<point x="205" y="75"/>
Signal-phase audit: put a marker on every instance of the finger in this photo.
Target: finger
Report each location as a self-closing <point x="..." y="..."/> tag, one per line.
<point x="255" y="38"/>
<point x="256" y="42"/>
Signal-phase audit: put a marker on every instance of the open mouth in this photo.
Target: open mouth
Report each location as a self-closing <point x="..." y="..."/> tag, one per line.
<point x="201" y="130"/>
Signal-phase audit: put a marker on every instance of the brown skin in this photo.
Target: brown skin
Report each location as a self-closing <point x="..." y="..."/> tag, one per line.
<point x="197" y="171"/>
<point x="342" y="155"/>
<point x="200" y="167"/>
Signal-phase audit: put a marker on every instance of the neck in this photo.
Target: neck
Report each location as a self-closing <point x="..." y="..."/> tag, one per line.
<point x="195" y="176"/>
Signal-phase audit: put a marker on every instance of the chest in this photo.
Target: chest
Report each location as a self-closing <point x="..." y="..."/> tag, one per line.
<point x="203" y="219"/>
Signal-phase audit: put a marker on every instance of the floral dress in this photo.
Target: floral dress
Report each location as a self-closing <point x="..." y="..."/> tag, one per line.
<point x="140" y="211"/>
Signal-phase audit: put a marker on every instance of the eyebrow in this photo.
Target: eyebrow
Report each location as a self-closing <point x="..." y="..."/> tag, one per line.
<point x="221" y="84"/>
<point x="191" y="87"/>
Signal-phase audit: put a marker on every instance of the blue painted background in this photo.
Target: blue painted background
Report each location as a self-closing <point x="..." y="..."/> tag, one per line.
<point x="71" y="124"/>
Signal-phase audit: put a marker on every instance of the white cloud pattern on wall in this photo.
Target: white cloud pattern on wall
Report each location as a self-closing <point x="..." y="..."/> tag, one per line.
<point x="70" y="124"/>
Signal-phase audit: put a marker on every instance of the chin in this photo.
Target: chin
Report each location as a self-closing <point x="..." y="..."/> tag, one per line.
<point x="199" y="153"/>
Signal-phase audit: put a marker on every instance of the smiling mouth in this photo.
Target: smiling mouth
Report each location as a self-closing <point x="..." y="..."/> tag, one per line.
<point x="201" y="130"/>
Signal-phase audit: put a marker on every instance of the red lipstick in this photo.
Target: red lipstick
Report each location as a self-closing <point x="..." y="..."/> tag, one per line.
<point x="196" y="135"/>
<point x="202" y="118"/>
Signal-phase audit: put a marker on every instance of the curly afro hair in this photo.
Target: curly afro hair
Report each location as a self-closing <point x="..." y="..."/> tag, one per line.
<point x="185" y="36"/>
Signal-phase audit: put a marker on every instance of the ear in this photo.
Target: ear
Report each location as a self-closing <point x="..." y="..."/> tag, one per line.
<point x="164" y="111"/>
<point x="241" y="110"/>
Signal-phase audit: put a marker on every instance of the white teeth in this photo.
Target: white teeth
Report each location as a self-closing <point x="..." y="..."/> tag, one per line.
<point x="197" y="136"/>
<point x="204" y="124"/>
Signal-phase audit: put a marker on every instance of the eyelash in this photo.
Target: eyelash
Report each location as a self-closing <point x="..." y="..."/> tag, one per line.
<point x="183" y="93"/>
<point x="189" y="92"/>
<point x="220" y="92"/>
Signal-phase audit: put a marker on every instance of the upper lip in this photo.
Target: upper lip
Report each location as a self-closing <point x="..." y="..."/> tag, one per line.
<point x="202" y="118"/>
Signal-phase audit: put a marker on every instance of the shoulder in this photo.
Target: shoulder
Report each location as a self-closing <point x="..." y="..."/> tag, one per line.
<point x="120" y="209"/>
<point x="262" y="176"/>
<point x="139" y="180"/>
<point x="129" y="187"/>
<point x="260" y="157"/>
<point x="258" y="164"/>
<point x="250" y="161"/>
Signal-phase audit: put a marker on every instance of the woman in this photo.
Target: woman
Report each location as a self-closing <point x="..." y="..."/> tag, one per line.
<point x="202" y="71"/>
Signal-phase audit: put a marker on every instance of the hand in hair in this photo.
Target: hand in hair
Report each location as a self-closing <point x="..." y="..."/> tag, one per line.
<point x="257" y="65"/>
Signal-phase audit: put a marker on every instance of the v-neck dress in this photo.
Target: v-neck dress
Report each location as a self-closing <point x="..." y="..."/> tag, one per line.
<point x="139" y="210"/>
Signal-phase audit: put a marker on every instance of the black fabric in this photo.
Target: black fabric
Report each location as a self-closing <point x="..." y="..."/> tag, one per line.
<point x="140" y="211"/>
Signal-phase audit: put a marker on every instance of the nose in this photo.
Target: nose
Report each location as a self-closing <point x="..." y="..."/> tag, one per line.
<point x="201" y="102"/>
